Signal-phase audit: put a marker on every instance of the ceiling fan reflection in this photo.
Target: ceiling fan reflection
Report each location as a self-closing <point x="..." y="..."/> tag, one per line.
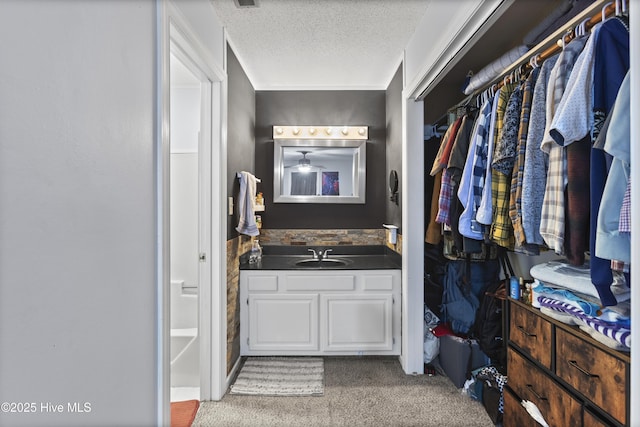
<point x="304" y="163"/>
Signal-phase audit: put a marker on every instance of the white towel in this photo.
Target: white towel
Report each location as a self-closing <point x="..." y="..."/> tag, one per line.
<point x="246" y="200"/>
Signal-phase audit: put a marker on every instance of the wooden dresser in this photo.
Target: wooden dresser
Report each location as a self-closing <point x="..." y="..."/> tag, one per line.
<point x="573" y="379"/>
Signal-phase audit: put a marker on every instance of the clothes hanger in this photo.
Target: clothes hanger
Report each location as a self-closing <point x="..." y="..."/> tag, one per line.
<point x="604" y="13"/>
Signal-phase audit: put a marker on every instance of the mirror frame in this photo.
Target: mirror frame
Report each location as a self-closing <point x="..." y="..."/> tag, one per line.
<point x="359" y="173"/>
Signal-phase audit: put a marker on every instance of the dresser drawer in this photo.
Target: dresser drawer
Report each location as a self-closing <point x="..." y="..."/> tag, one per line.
<point x="596" y="374"/>
<point x="529" y="382"/>
<point x="531" y="333"/>
<point x="514" y="413"/>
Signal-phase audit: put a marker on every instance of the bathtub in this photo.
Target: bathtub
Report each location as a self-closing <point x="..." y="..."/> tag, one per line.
<point x="184" y="343"/>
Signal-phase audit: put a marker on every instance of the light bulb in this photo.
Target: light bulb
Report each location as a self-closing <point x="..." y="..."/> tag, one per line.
<point x="328" y="130"/>
<point x="345" y="131"/>
<point x="296" y="131"/>
<point x="312" y="131"/>
<point x="279" y="131"/>
<point x="361" y="131"/>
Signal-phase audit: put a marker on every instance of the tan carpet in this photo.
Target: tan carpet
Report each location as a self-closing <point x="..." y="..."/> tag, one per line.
<point x="357" y="392"/>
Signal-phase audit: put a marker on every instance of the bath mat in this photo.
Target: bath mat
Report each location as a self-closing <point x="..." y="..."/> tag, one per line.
<point x="183" y="413"/>
<point x="281" y="376"/>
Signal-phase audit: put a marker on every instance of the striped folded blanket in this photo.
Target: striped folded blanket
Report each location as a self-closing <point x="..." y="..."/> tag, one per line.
<point x="616" y="332"/>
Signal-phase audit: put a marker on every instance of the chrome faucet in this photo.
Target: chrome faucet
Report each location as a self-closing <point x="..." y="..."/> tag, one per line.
<point x="323" y="255"/>
<point x="315" y="254"/>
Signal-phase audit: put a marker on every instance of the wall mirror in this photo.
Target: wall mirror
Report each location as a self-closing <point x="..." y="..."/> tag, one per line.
<point x="319" y="170"/>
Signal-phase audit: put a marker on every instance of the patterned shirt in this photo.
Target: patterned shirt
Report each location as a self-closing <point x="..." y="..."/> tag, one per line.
<point x="515" y="202"/>
<point x="444" y="201"/>
<point x="470" y="190"/>
<point x="552" y="222"/>
<point x="536" y="161"/>
<point x="485" y="212"/>
<point x="501" y="224"/>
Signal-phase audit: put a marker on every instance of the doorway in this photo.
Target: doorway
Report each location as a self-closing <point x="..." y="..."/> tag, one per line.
<point x="187" y="213"/>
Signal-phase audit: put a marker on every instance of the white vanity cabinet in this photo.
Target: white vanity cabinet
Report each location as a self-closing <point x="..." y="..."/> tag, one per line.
<point x="320" y="312"/>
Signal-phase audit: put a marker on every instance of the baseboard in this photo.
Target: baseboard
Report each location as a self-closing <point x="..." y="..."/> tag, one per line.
<point x="232" y="374"/>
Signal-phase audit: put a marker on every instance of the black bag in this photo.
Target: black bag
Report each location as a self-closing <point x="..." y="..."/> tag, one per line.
<point x="488" y="329"/>
<point x="488" y="326"/>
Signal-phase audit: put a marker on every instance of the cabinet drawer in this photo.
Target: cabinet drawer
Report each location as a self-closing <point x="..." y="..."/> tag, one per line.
<point x="514" y="413"/>
<point x="531" y="333"/>
<point x="529" y="382"/>
<point x="596" y="374"/>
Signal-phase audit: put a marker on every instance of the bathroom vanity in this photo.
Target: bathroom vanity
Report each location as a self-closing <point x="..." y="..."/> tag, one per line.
<point x="291" y="305"/>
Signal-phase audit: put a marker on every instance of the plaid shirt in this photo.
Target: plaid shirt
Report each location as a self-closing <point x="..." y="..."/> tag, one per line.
<point x="444" y="201"/>
<point x="552" y="222"/>
<point x="501" y="232"/>
<point x="515" y="202"/>
<point x="470" y="190"/>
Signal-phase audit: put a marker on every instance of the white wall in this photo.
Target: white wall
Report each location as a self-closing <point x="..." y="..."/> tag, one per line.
<point x="441" y="34"/>
<point x="184" y="218"/>
<point x="185" y="124"/>
<point x="77" y="191"/>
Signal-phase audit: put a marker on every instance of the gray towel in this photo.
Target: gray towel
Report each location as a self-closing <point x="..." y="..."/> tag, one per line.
<point x="246" y="199"/>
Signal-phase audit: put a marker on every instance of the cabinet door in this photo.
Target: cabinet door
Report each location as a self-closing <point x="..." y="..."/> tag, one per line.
<point x="357" y="322"/>
<point x="280" y="322"/>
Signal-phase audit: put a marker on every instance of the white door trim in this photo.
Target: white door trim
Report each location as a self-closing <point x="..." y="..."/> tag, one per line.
<point x="176" y="35"/>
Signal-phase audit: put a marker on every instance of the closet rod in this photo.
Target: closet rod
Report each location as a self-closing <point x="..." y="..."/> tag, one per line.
<point x="589" y="23"/>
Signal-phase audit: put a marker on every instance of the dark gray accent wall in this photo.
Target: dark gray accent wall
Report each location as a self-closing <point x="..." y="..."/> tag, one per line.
<point x="240" y="130"/>
<point x="350" y="108"/>
<point x="394" y="145"/>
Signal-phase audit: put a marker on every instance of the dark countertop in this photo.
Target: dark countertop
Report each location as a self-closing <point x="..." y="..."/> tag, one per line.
<point x="355" y="257"/>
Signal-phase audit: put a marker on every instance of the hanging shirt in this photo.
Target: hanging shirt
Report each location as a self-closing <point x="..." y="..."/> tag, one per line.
<point x="610" y="67"/>
<point x="625" y="211"/>
<point x="610" y="243"/>
<point x="442" y="158"/>
<point x="536" y="161"/>
<point x="472" y="183"/>
<point x="515" y="201"/>
<point x="570" y="128"/>
<point x="502" y="167"/>
<point x="485" y="211"/>
<point x="552" y="222"/>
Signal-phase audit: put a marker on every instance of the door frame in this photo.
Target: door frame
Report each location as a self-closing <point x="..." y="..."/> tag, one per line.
<point x="175" y="35"/>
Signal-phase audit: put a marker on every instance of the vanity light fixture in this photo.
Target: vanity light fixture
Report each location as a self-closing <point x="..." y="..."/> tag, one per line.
<point x="321" y="132"/>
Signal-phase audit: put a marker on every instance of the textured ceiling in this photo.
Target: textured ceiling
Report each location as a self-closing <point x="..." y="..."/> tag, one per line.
<point x="320" y="44"/>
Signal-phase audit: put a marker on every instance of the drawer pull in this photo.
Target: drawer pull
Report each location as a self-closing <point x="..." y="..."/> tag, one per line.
<point x="524" y="331"/>
<point x="581" y="369"/>
<point x="530" y="387"/>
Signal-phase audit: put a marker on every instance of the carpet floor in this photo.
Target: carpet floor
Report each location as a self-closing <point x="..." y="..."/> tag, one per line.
<point x="358" y="391"/>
